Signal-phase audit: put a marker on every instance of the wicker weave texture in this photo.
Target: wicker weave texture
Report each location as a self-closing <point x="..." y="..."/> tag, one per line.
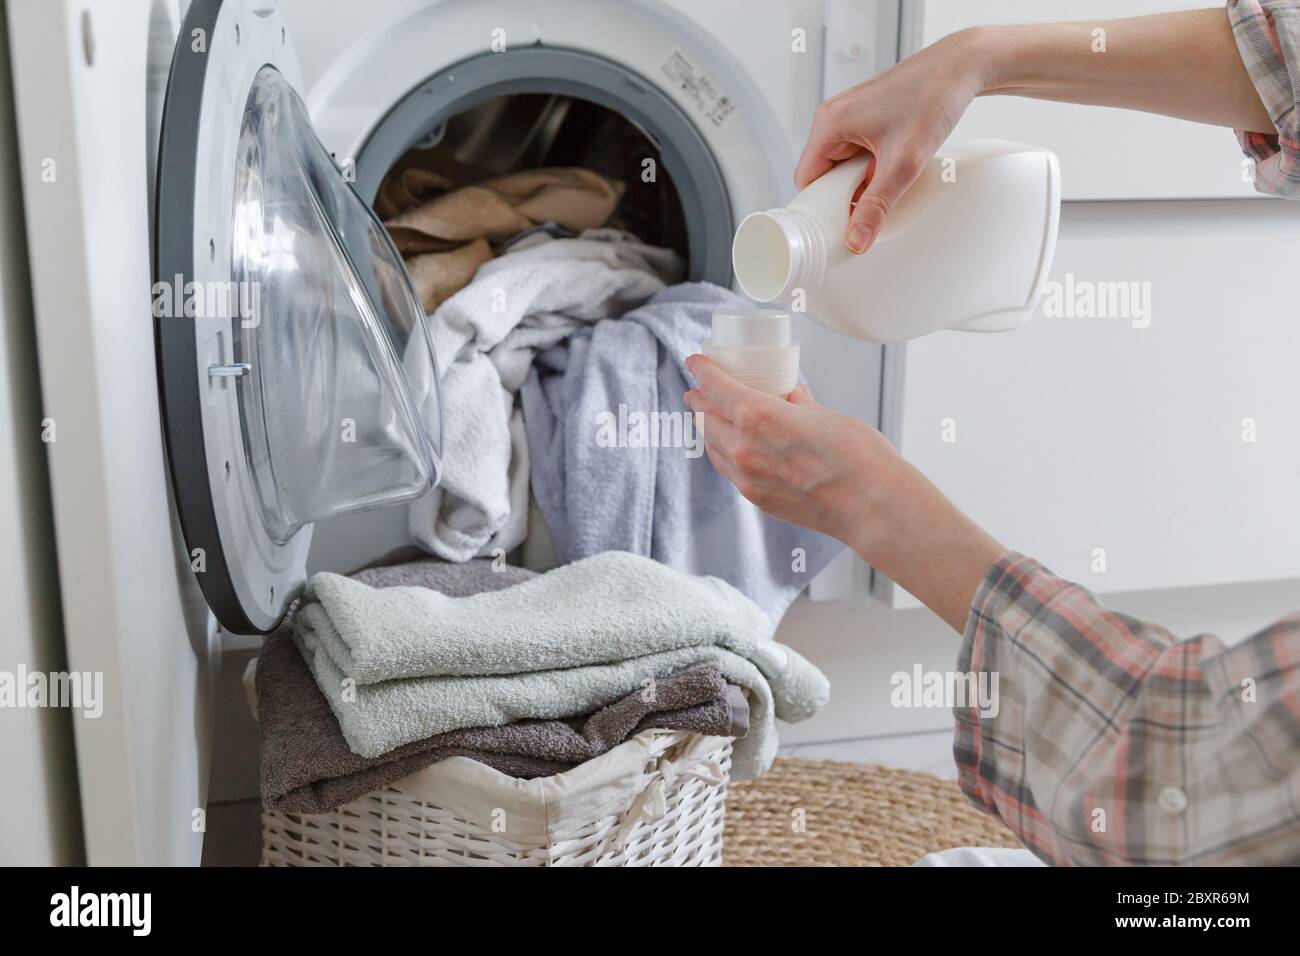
<point x="831" y="813"/>
<point x="389" y="827"/>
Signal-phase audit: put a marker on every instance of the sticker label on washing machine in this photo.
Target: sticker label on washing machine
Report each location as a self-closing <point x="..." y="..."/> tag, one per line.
<point x="699" y="87"/>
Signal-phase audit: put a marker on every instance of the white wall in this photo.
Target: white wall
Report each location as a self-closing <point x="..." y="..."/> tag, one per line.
<point x="1105" y="153"/>
<point x="1166" y="443"/>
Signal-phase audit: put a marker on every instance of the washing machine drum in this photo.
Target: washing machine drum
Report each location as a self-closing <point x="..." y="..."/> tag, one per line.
<point x="285" y="320"/>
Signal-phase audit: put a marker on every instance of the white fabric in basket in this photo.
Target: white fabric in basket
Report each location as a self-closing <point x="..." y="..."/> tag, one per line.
<point x="540" y="810"/>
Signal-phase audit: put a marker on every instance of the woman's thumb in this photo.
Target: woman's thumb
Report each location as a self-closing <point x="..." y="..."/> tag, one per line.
<point x="801" y="396"/>
<point x="889" y="180"/>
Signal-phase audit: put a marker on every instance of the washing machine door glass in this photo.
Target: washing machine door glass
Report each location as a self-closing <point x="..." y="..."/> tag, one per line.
<point x="329" y="421"/>
<point x="296" y="370"/>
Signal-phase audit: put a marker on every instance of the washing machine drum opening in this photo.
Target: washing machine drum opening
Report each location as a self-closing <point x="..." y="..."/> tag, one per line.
<point x="554" y="109"/>
<point x="327" y="319"/>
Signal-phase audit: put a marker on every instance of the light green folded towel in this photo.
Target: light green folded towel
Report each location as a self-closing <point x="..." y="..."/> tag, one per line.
<point x="398" y="664"/>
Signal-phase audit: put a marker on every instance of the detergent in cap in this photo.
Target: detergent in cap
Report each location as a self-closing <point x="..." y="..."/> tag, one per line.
<point x="754" y="347"/>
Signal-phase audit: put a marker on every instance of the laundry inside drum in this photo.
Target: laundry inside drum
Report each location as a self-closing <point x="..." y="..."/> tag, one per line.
<point x="460" y="187"/>
<point x="492" y="175"/>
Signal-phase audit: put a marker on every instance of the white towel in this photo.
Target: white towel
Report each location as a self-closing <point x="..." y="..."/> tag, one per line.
<point x="485" y="337"/>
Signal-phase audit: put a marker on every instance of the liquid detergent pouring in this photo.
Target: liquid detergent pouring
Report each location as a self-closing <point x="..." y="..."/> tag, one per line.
<point x="967" y="247"/>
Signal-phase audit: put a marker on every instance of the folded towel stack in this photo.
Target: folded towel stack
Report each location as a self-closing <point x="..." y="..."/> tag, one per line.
<point x="531" y="674"/>
<point x="308" y="768"/>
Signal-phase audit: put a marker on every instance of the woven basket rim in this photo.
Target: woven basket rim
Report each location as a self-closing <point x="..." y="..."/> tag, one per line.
<point x="395" y="827"/>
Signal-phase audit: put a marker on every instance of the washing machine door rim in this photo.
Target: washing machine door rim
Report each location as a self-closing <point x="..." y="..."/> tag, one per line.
<point x="283" y="316"/>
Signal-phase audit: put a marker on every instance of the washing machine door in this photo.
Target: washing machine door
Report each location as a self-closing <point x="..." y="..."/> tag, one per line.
<point x="296" y="369"/>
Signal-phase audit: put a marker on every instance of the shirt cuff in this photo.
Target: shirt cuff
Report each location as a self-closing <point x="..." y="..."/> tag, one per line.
<point x="1268" y="38"/>
<point x="978" y="769"/>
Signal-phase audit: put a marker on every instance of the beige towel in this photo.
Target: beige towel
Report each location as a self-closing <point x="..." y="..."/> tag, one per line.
<point x="421" y="174"/>
<point x="500" y="207"/>
<point x="449" y="232"/>
<point x="440" y="275"/>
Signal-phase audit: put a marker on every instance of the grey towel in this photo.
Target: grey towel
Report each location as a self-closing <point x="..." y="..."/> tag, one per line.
<point x="306" y="766"/>
<point x="668" y="503"/>
<point x="554" y="646"/>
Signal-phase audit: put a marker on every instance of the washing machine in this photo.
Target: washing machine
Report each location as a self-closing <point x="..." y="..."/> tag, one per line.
<point x="239" y="145"/>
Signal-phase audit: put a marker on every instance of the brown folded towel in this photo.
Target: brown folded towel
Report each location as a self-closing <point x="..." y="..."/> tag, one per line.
<point x="307" y="767"/>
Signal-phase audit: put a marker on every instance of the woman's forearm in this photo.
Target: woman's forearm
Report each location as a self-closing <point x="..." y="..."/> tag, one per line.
<point x="1182" y="64"/>
<point x="910" y="532"/>
<point x="1185" y="65"/>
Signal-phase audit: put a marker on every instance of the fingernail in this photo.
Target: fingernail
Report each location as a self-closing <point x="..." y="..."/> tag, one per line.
<point x="859" y="238"/>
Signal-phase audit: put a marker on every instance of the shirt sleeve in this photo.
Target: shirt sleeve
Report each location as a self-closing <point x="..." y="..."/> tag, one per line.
<point x="1268" y="38"/>
<point x="1104" y="740"/>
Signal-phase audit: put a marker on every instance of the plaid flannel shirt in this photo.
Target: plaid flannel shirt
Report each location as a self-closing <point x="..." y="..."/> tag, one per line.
<point x="1113" y="742"/>
<point x="1268" y="37"/>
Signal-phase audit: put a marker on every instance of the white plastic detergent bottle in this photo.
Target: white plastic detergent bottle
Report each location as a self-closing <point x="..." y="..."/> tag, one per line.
<point x="967" y="247"/>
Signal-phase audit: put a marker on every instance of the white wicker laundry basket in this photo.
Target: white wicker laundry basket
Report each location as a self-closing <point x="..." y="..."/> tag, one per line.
<point x="658" y="799"/>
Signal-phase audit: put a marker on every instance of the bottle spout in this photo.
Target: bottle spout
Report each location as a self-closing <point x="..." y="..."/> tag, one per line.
<point x="777" y="253"/>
